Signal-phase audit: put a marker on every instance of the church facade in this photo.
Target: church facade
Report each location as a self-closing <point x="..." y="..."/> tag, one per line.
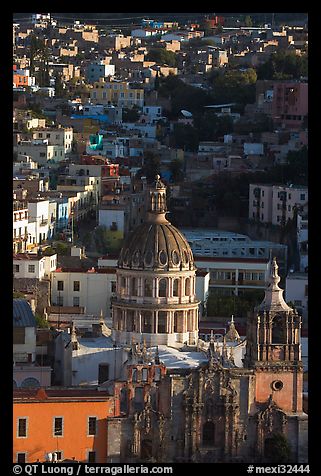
<point x="216" y="411"/>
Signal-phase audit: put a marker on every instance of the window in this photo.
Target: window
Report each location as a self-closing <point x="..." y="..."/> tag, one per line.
<point x="58" y="426"/>
<point x="21" y="457"/>
<point x="103" y="373"/>
<point x="16" y="268"/>
<point x="306" y="290"/>
<point x="42" y="154"/>
<point x="92" y="426"/>
<point x="76" y="301"/>
<point x="162" y="288"/>
<point x="31" y="268"/>
<point x="302" y="196"/>
<point x="22" y="427"/>
<point x="134" y="287"/>
<point x="134" y="375"/>
<point x="91" y="456"/>
<point x="76" y="285"/>
<point x="162" y="322"/>
<point x="148" y="288"/>
<point x="139" y="399"/>
<point x="113" y="286"/>
<point x="60" y="285"/>
<point x="157" y="374"/>
<point x="187" y="287"/>
<point x="144" y="375"/>
<point x="175" y="287"/>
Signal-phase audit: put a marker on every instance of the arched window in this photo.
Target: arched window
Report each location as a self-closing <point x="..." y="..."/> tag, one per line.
<point x="176" y="321"/>
<point x="187" y="286"/>
<point x="130" y="320"/>
<point x="30" y="382"/>
<point x="147" y="321"/>
<point x="278" y="331"/>
<point x="190" y="320"/>
<point x="162" y="287"/>
<point x="148" y="287"/>
<point x="209" y="434"/>
<point x="124" y="400"/>
<point x="162" y="318"/>
<point x="122" y="290"/>
<point x="175" y="287"/>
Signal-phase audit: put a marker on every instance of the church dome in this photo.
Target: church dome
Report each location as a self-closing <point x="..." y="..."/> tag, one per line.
<point x="156" y="244"/>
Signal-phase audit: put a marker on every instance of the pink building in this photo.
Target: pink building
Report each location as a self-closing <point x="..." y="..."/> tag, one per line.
<point x="290" y="103"/>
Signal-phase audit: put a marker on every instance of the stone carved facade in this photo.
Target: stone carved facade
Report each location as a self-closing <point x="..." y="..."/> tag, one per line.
<point x="217" y="412"/>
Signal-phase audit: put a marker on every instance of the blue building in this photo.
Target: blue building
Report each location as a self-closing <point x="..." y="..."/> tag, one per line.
<point x="62" y="214"/>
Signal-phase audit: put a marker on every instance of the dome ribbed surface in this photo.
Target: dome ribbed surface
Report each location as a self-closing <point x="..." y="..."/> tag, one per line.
<point x="156" y="246"/>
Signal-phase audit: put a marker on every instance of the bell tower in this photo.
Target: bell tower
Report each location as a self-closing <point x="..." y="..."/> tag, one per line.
<point x="273" y="348"/>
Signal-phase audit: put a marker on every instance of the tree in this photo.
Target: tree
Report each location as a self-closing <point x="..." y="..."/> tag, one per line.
<point x="184" y="137"/>
<point x="41" y="321"/>
<point x="151" y="165"/>
<point x="279" y="450"/>
<point x="59" y="86"/>
<point x="162" y="56"/>
<point x="176" y="169"/>
<point x="131" y="115"/>
<point x="248" y="21"/>
<point x="183" y="96"/>
<point x="18" y="295"/>
<point x="210" y="126"/>
<point x="234" y="86"/>
<point x="284" y="65"/>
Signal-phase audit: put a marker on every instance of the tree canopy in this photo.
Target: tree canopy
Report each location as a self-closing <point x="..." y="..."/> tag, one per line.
<point x="162" y="56"/>
<point x="234" y="85"/>
<point x="284" y="65"/>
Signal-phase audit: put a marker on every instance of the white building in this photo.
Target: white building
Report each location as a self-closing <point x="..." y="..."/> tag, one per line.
<point x="152" y="112"/>
<point x="20" y="226"/>
<point x="296" y="291"/>
<point x="253" y="148"/>
<point x="61" y="136"/>
<point x="234" y="261"/>
<point x="144" y="130"/>
<point x="94" y="71"/>
<point x="39" y="214"/>
<point x="113" y="217"/>
<point x="41" y="152"/>
<point x="275" y="203"/>
<point x="92" y="289"/>
<point x="32" y="265"/>
<point x="303" y="237"/>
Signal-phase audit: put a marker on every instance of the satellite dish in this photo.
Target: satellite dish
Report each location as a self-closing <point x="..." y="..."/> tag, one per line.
<point x="186" y="113"/>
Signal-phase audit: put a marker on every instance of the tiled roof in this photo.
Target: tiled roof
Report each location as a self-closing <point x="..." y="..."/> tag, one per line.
<point x="22" y="314"/>
<point x="50" y="394"/>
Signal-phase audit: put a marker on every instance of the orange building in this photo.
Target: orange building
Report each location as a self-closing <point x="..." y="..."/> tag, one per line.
<point x="20" y="80"/>
<point x="69" y="422"/>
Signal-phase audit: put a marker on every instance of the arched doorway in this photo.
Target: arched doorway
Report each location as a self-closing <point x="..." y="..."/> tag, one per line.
<point x="146" y="449"/>
<point x="208" y="435"/>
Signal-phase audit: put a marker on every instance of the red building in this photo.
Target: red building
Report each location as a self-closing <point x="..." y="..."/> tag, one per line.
<point x="290" y="103"/>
